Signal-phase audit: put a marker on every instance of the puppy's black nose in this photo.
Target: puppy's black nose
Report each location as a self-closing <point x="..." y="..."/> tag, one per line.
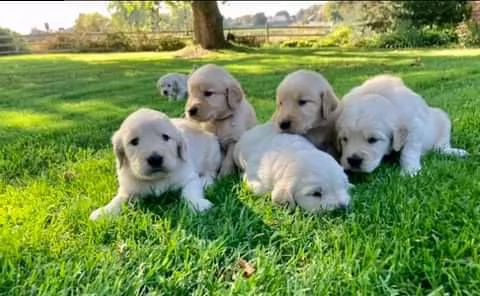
<point x="155" y="161"/>
<point x="193" y="111"/>
<point x="165" y="92"/>
<point x="284" y="125"/>
<point x="355" y="161"/>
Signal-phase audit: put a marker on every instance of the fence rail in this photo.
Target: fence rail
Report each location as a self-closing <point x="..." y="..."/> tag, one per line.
<point x="39" y="43"/>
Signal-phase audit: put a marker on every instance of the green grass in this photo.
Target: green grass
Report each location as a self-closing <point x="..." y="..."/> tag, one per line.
<point x="401" y="236"/>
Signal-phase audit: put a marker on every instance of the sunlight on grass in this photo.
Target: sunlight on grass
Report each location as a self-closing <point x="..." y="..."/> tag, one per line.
<point x="31" y="120"/>
<point x="93" y="108"/>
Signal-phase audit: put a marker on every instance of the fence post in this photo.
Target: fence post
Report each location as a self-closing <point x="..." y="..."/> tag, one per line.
<point x="267" y="33"/>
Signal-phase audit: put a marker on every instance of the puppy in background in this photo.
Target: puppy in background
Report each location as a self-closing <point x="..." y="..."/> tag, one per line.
<point x="153" y="156"/>
<point x="383" y="115"/>
<point x="306" y="105"/>
<point x="173" y="86"/>
<point x="217" y="101"/>
<point x="292" y="169"/>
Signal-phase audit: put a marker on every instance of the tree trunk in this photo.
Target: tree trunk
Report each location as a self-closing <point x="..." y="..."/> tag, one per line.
<point x="208" y="25"/>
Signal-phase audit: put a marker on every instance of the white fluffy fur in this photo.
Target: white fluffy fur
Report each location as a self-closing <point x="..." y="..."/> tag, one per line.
<point x="384" y="115"/>
<point x="292" y="169"/>
<point x="173" y="86"/>
<point x="191" y="159"/>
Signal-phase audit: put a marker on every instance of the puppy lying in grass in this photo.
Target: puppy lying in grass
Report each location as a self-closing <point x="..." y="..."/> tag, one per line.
<point x="306" y="105"/>
<point x="383" y="115"/>
<point x="292" y="169"/>
<point x="217" y="101"/>
<point x="173" y="86"/>
<point x="155" y="154"/>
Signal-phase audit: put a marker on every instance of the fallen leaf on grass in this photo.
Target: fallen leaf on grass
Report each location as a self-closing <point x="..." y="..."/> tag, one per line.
<point x="248" y="269"/>
<point x="69" y="176"/>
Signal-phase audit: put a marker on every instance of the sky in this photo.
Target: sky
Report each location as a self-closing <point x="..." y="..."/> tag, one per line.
<point x="22" y="16"/>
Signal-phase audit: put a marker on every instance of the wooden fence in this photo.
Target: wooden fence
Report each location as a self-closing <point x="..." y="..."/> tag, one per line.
<point x="38" y="43"/>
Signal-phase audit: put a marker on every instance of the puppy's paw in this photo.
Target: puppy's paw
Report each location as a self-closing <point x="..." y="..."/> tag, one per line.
<point x="256" y="187"/>
<point x="206" y="181"/>
<point x="201" y="205"/>
<point x="98" y="213"/>
<point x="411" y="171"/>
<point x="224" y="171"/>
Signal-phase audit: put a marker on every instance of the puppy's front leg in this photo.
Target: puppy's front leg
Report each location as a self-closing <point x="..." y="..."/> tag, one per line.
<point x="282" y="197"/>
<point x="112" y="208"/>
<point x="192" y="192"/>
<point x="410" y="159"/>
<point x="228" y="164"/>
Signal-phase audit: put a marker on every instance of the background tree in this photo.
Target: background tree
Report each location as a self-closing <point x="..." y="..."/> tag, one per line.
<point x="11" y="41"/>
<point x="430" y="13"/>
<point x="259" y="19"/>
<point x="208" y="25"/>
<point x="283" y="13"/>
<point x="145" y="15"/>
<point x="92" y="22"/>
<point x="379" y="16"/>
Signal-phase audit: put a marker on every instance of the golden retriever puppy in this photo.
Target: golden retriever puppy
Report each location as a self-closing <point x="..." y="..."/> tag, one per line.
<point x="217" y="101"/>
<point x="173" y="86"/>
<point x="153" y="156"/>
<point x="383" y="115"/>
<point x="292" y="169"/>
<point x="306" y="105"/>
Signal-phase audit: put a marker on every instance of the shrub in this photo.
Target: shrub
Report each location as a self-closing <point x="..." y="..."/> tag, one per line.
<point x="404" y="36"/>
<point x="468" y="34"/>
<point x="110" y="42"/>
<point x="11" y="41"/>
<point x="252" y="41"/>
<point x="341" y="36"/>
<point x="170" y="43"/>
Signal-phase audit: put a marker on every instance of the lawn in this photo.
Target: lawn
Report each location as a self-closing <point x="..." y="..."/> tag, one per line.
<point x="401" y="236"/>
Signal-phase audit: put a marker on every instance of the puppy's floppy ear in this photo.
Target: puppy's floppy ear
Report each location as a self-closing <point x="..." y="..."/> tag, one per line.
<point x="118" y="149"/>
<point x="399" y="138"/>
<point x="282" y="196"/>
<point x="195" y="67"/>
<point x="234" y="95"/>
<point x="329" y="103"/>
<point x="181" y="147"/>
<point x="175" y="87"/>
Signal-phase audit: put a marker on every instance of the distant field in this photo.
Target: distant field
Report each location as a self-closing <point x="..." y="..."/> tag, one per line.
<point x="417" y="236"/>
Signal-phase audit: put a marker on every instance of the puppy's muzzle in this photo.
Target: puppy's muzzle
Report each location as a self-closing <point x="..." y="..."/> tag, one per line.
<point x="355" y="161"/>
<point x="193" y="111"/>
<point x="155" y="161"/>
<point x="285" y="125"/>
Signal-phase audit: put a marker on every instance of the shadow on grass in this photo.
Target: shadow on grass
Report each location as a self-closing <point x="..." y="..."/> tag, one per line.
<point x="232" y="221"/>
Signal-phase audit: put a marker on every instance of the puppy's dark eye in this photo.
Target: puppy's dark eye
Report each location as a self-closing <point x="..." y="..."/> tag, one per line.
<point x="134" y="141"/>
<point x="372" y="140"/>
<point x="168" y="85"/>
<point x="166" y="137"/>
<point x="207" y="93"/>
<point x="317" y="193"/>
<point x="302" y="102"/>
<point x="344" y="139"/>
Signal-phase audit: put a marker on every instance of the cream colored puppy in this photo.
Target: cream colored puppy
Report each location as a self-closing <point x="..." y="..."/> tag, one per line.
<point x="384" y="115"/>
<point x="306" y="105"/>
<point x="292" y="169"/>
<point x="153" y="155"/>
<point x="173" y="86"/>
<point x="217" y="101"/>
